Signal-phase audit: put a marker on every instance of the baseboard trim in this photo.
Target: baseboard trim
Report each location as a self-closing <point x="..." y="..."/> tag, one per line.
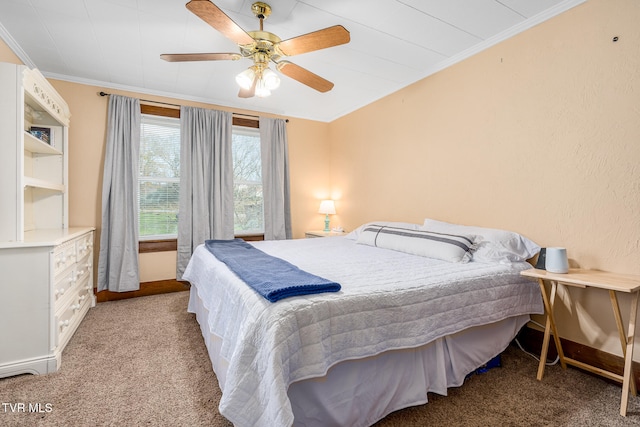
<point x="146" y="289"/>
<point x="531" y="340"/>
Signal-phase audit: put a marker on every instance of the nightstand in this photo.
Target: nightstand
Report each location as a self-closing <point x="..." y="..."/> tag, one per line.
<point x="600" y="280"/>
<point x="320" y="233"/>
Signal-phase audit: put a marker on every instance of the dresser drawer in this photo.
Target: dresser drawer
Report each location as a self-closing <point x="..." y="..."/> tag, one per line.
<point x="64" y="285"/>
<point x="84" y="246"/>
<point x="75" y="278"/>
<point x="70" y="316"/>
<point x="84" y="266"/>
<point x="85" y="291"/>
<point x="64" y="256"/>
<point x="84" y="285"/>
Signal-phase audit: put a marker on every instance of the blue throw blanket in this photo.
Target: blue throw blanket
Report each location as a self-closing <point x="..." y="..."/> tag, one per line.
<point x="272" y="277"/>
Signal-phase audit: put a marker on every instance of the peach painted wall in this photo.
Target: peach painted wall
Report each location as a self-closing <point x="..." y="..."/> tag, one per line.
<point x="539" y="134"/>
<point x="7" y="55"/>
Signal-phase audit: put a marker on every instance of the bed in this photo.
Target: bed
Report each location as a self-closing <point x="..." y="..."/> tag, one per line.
<point x="401" y="325"/>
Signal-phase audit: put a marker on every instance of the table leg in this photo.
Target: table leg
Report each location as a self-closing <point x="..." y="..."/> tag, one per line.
<point x="628" y="359"/>
<point x="621" y="333"/>
<point x="550" y="326"/>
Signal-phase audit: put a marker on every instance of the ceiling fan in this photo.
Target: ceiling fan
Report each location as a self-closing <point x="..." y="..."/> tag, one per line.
<point x="263" y="47"/>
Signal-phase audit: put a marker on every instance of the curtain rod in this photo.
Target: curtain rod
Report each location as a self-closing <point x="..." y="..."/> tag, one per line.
<point x="102" y="93"/>
<point x="144" y="100"/>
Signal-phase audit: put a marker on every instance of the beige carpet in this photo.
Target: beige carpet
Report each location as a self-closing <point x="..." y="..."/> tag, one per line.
<point x="143" y="362"/>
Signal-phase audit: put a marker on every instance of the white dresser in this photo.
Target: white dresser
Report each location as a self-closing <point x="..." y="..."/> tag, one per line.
<point x="46" y="290"/>
<point x="46" y="268"/>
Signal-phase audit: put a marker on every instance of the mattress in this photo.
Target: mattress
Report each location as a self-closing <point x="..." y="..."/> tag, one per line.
<point x="389" y="300"/>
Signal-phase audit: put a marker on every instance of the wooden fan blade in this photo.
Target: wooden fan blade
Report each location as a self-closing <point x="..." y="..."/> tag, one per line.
<point x="248" y="93"/>
<point x="214" y="16"/>
<point x="321" y="39"/>
<point x="304" y="76"/>
<point x="180" y="57"/>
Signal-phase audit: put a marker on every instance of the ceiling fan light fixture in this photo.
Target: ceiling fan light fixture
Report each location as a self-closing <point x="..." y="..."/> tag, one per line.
<point x="245" y="78"/>
<point x="262" y="91"/>
<point x="270" y="79"/>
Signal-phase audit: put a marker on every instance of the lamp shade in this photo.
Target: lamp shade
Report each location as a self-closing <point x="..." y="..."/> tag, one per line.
<point x="262" y="90"/>
<point x="245" y="78"/>
<point x="271" y="79"/>
<point x="327" y="207"/>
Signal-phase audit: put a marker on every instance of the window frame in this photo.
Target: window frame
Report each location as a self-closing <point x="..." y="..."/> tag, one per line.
<point x="167" y="245"/>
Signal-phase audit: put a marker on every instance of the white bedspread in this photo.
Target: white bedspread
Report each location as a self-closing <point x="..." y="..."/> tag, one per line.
<point x="389" y="300"/>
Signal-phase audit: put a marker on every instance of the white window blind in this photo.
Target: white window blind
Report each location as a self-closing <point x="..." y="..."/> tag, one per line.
<point x="159" y="178"/>
<point x="247" y="181"/>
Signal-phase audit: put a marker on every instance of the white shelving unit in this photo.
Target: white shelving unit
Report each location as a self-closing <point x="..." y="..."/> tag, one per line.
<point x="34" y="173"/>
<point x="47" y="267"/>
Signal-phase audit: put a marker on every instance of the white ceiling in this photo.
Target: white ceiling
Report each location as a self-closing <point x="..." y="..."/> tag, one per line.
<point x="117" y="44"/>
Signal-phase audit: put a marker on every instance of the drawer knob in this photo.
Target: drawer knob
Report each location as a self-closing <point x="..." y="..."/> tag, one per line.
<point x="63" y="324"/>
<point x="75" y="307"/>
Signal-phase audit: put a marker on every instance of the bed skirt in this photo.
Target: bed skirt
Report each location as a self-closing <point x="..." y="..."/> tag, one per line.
<point x="363" y="391"/>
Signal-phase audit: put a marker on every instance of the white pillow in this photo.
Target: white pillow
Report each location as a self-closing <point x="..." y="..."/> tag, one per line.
<point x="356" y="233"/>
<point x="496" y="245"/>
<point x="443" y="246"/>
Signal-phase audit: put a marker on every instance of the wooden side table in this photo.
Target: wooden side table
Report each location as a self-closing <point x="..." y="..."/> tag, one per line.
<point x="592" y="279"/>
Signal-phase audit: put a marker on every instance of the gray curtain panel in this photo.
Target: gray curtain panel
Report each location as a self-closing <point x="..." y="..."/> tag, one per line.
<point x="118" y="259"/>
<point x="206" y="180"/>
<point x="275" y="179"/>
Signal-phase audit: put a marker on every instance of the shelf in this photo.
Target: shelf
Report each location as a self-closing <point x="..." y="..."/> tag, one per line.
<point x="34" y="145"/>
<point x="40" y="183"/>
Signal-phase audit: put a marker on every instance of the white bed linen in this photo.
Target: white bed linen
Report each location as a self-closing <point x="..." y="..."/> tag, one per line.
<point x="389" y="300"/>
<point x="360" y="392"/>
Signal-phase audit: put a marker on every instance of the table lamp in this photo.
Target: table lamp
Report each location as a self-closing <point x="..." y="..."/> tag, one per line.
<point x="327" y="207"/>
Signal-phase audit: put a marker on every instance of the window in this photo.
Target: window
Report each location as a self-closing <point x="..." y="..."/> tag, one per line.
<point x="159" y="179"/>
<point x="247" y="181"/>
